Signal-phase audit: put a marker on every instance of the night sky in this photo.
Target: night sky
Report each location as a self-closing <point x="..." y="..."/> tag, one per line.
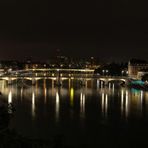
<point x="108" y="29"/>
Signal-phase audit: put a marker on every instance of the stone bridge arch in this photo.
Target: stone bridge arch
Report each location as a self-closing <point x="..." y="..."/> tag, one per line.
<point x="117" y="80"/>
<point x="108" y="80"/>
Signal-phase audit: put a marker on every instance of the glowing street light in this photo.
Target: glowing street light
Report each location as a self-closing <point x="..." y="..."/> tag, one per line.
<point x="107" y="72"/>
<point x="122" y="72"/>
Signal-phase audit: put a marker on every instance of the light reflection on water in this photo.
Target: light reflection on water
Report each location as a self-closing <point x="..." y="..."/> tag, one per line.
<point x="128" y="98"/>
<point x="10" y="97"/>
<point x="82" y="105"/>
<point x="122" y="101"/>
<point x="57" y="106"/>
<point x="58" y="103"/>
<point x="126" y="104"/>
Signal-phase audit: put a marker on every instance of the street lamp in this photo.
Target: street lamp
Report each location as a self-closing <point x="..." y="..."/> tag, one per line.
<point x="106" y="72"/>
<point x="122" y="72"/>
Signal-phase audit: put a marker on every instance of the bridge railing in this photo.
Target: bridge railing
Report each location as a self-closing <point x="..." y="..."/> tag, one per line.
<point x="64" y="75"/>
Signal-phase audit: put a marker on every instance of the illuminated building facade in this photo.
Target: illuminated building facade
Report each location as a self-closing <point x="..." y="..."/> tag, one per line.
<point x="135" y="66"/>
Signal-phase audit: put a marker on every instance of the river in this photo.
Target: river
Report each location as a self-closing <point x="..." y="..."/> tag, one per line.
<point x="90" y="115"/>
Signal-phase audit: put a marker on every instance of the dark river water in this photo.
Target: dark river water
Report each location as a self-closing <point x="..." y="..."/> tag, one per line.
<point x="90" y="115"/>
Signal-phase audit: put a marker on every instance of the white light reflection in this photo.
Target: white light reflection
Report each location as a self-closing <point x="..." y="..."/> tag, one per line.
<point x="57" y="106"/>
<point x="122" y="101"/>
<point x="21" y="93"/>
<point x="82" y="104"/>
<point x="141" y="96"/>
<point x="101" y="84"/>
<point x="141" y="99"/>
<point x="126" y="104"/>
<point x="113" y="88"/>
<point x="10" y="107"/>
<point x="106" y="104"/>
<point x="33" y="104"/>
<point x="103" y="100"/>
<point x="98" y="84"/>
<point x="10" y="97"/>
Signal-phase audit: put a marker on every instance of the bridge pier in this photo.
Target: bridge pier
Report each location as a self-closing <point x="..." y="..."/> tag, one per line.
<point x="126" y="82"/>
<point x="83" y="82"/>
<point x="106" y="82"/>
<point x="9" y="81"/>
<point x="58" y="81"/>
<point x="33" y="81"/>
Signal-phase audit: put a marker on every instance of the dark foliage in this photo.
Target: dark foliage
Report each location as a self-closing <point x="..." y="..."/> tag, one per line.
<point x="112" y="69"/>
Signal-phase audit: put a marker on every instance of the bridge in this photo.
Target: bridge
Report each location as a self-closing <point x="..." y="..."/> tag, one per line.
<point x="107" y="79"/>
<point x="34" y="76"/>
<point x="59" y="75"/>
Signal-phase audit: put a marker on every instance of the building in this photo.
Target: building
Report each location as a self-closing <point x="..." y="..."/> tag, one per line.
<point x="135" y="66"/>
